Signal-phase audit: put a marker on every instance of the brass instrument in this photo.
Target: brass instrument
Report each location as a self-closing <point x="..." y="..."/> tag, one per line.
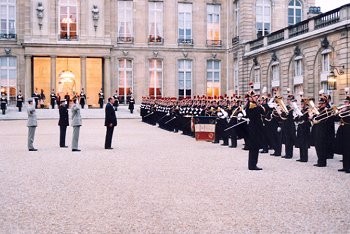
<point x="296" y="109"/>
<point x="325" y="114"/>
<point x="279" y="108"/>
<point x="312" y="110"/>
<point x="344" y="111"/>
<point x="280" y="103"/>
<point x="236" y="111"/>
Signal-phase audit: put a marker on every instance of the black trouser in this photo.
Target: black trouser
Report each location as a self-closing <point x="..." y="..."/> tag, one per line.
<point x="20" y="109"/>
<point x="63" y="130"/>
<point x="3" y="111"/>
<point x="321" y="155"/>
<point x="53" y="104"/>
<point x="253" y="158"/>
<point x="278" y="143"/>
<point x="82" y="106"/>
<point x="346" y="160"/>
<point x="304" y="157"/>
<point x="109" y="134"/>
<point x="289" y="148"/>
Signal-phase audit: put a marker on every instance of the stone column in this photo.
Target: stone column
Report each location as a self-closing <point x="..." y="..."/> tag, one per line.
<point x="28" y="76"/>
<point x="83" y="72"/>
<point x="53" y="74"/>
<point x="107" y="76"/>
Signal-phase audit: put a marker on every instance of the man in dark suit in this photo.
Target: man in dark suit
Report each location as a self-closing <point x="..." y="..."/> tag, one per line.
<point x="110" y="122"/>
<point x="63" y="122"/>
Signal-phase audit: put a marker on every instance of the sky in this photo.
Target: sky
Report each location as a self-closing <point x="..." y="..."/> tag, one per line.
<point x="327" y="5"/>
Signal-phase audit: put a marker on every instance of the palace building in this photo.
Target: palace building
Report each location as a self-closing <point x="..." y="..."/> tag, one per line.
<point x="164" y="48"/>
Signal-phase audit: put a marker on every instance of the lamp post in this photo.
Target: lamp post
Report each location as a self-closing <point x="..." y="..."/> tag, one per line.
<point x="332" y="78"/>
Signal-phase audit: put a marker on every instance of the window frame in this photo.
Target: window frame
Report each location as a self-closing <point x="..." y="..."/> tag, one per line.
<point x="212" y="41"/>
<point x="295" y="8"/>
<point x="213" y="71"/>
<point x="68" y="5"/>
<point x="185" y="40"/>
<point x="185" y="71"/>
<point x="126" y="10"/>
<point x="263" y="4"/>
<point x="155" y="70"/>
<point x="153" y="38"/>
<point x="8" y="68"/>
<point x="125" y="71"/>
<point x="9" y="35"/>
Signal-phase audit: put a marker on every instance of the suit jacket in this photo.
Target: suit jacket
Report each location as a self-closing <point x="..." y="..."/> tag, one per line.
<point x="110" y="117"/>
<point x="76" y="117"/>
<point x="32" y="119"/>
<point x="64" y="119"/>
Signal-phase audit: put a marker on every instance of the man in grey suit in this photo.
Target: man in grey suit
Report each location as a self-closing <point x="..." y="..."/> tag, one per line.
<point x="76" y="123"/>
<point x="31" y="124"/>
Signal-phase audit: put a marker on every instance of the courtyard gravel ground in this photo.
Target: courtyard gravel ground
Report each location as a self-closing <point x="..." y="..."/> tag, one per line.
<point x="160" y="182"/>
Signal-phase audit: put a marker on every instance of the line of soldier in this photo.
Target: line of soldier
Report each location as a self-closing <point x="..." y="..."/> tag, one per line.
<point x="288" y="124"/>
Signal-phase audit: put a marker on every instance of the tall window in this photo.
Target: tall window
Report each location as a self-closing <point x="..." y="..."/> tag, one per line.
<point x="294" y="12"/>
<point x="155" y="78"/>
<point x="125" y="76"/>
<point x="8" y="76"/>
<point x="263" y="17"/>
<point x="275" y="75"/>
<point x="185" y="23"/>
<point x="8" y="19"/>
<point x="155" y="17"/>
<point x="185" y="78"/>
<point x="236" y="15"/>
<point x="68" y="19"/>
<point x="298" y="67"/>
<point x="235" y="78"/>
<point x="325" y="63"/>
<point x="213" y="78"/>
<point x="213" y="25"/>
<point x="125" y="23"/>
<point x="325" y="71"/>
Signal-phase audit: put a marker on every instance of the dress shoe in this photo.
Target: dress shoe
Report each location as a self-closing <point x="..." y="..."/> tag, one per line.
<point x="232" y="146"/>
<point x="76" y="150"/>
<point x="255" y="169"/>
<point x="64" y="146"/>
<point x="299" y="160"/>
<point x="215" y="142"/>
<point x="224" y="144"/>
<point x="264" y="152"/>
<point x="343" y="169"/>
<point x="347" y="171"/>
<point x="317" y="165"/>
<point x="245" y="148"/>
<point x="109" y="148"/>
<point x="33" y="149"/>
<point x="288" y="157"/>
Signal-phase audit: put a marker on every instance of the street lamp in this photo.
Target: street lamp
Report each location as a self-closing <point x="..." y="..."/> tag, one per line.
<point x="332" y="78"/>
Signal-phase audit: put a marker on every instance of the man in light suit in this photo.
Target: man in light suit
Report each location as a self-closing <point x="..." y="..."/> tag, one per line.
<point x="76" y="123"/>
<point x="63" y="122"/>
<point x="110" y="122"/>
<point x="31" y="124"/>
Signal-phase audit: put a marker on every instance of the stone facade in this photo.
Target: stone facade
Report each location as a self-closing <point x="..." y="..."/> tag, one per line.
<point x="40" y="37"/>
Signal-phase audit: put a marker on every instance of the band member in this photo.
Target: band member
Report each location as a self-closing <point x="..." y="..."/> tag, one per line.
<point x="343" y="135"/>
<point x="53" y="99"/>
<point x="3" y="103"/>
<point x="302" y="140"/>
<point x="116" y="100"/>
<point x="20" y="100"/>
<point x="76" y="124"/>
<point x="82" y="98"/>
<point x="101" y="98"/>
<point x="36" y="97"/>
<point x="58" y="99"/>
<point x="63" y="122"/>
<point x="110" y="122"/>
<point x="31" y="124"/>
<point x="288" y="129"/>
<point x="67" y="97"/>
<point x="255" y="130"/>
<point x="42" y="99"/>
<point x="321" y="133"/>
<point x="131" y="104"/>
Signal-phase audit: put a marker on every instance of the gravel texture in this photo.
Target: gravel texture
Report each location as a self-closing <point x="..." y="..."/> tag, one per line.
<point x="160" y="182"/>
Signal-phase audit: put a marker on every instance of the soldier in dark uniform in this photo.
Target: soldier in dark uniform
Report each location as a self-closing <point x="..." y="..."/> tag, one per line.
<point x="58" y="99"/>
<point x="63" y="122"/>
<point x="20" y="100"/>
<point x="82" y="98"/>
<point x="42" y="99"/>
<point x="53" y="99"/>
<point x="116" y="100"/>
<point x="131" y="104"/>
<point x="36" y="97"/>
<point x="288" y="129"/>
<point x="67" y="97"/>
<point x="302" y="140"/>
<point x="101" y="98"/>
<point x="255" y="130"/>
<point x="3" y="103"/>
<point x="343" y="135"/>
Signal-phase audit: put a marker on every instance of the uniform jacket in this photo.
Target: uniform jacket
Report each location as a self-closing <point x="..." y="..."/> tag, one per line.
<point x="64" y="119"/>
<point x="76" y="118"/>
<point x="255" y="127"/>
<point x="32" y="119"/>
<point x="110" y="117"/>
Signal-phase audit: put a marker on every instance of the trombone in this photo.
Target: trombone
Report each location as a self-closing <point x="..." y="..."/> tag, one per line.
<point x="325" y="114"/>
<point x="344" y="111"/>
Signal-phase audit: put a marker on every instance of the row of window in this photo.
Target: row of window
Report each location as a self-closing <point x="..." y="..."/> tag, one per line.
<point x="69" y="20"/>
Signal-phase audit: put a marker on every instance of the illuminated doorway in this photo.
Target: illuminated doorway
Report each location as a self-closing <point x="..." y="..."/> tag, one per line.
<point x="94" y="81"/>
<point x="42" y="74"/>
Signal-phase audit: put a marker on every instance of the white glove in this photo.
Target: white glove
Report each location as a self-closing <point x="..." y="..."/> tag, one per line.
<point x="239" y="116"/>
<point x="279" y="129"/>
<point x="272" y="105"/>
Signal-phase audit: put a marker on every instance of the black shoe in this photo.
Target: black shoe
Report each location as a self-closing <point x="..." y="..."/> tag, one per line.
<point x="76" y="150"/>
<point x="343" y="169"/>
<point x="255" y="169"/>
<point x="64" y="146"/>
<point x="347" y="171"/>
<point x="231" y="146"/>
<point x="317" y="165"/>
<point x="245" y="148"/>
<point x="224" y="144"/>
<point x="299" y="160"/>
<point x="33" y="149"/>
<point x="215" y="142"/>
<point x="288" y="157"/>
<point x="109" y="148"/>
<point x="264" y="152"/>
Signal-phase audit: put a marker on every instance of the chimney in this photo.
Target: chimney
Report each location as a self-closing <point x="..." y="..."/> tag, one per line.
<point x="313" y="11"/>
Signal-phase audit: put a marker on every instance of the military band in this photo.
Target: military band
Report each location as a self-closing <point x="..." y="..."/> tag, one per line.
<point x="264" y="123"/>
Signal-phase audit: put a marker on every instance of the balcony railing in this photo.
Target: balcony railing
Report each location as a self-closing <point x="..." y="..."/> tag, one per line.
<point x="328" y="18"/>
<point x="125" y="39"/>
<point x="184" y="42"/>
<point x="155" y="39"/>
<point x="256" y="44"/>
<point x="214" y="43"/>
<point x="298" y="29"/>
<point x="9" y="36"/>
<point x="66" y="37"/>
<point x="275" y="37"/>
<point x="235" y="40"/>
